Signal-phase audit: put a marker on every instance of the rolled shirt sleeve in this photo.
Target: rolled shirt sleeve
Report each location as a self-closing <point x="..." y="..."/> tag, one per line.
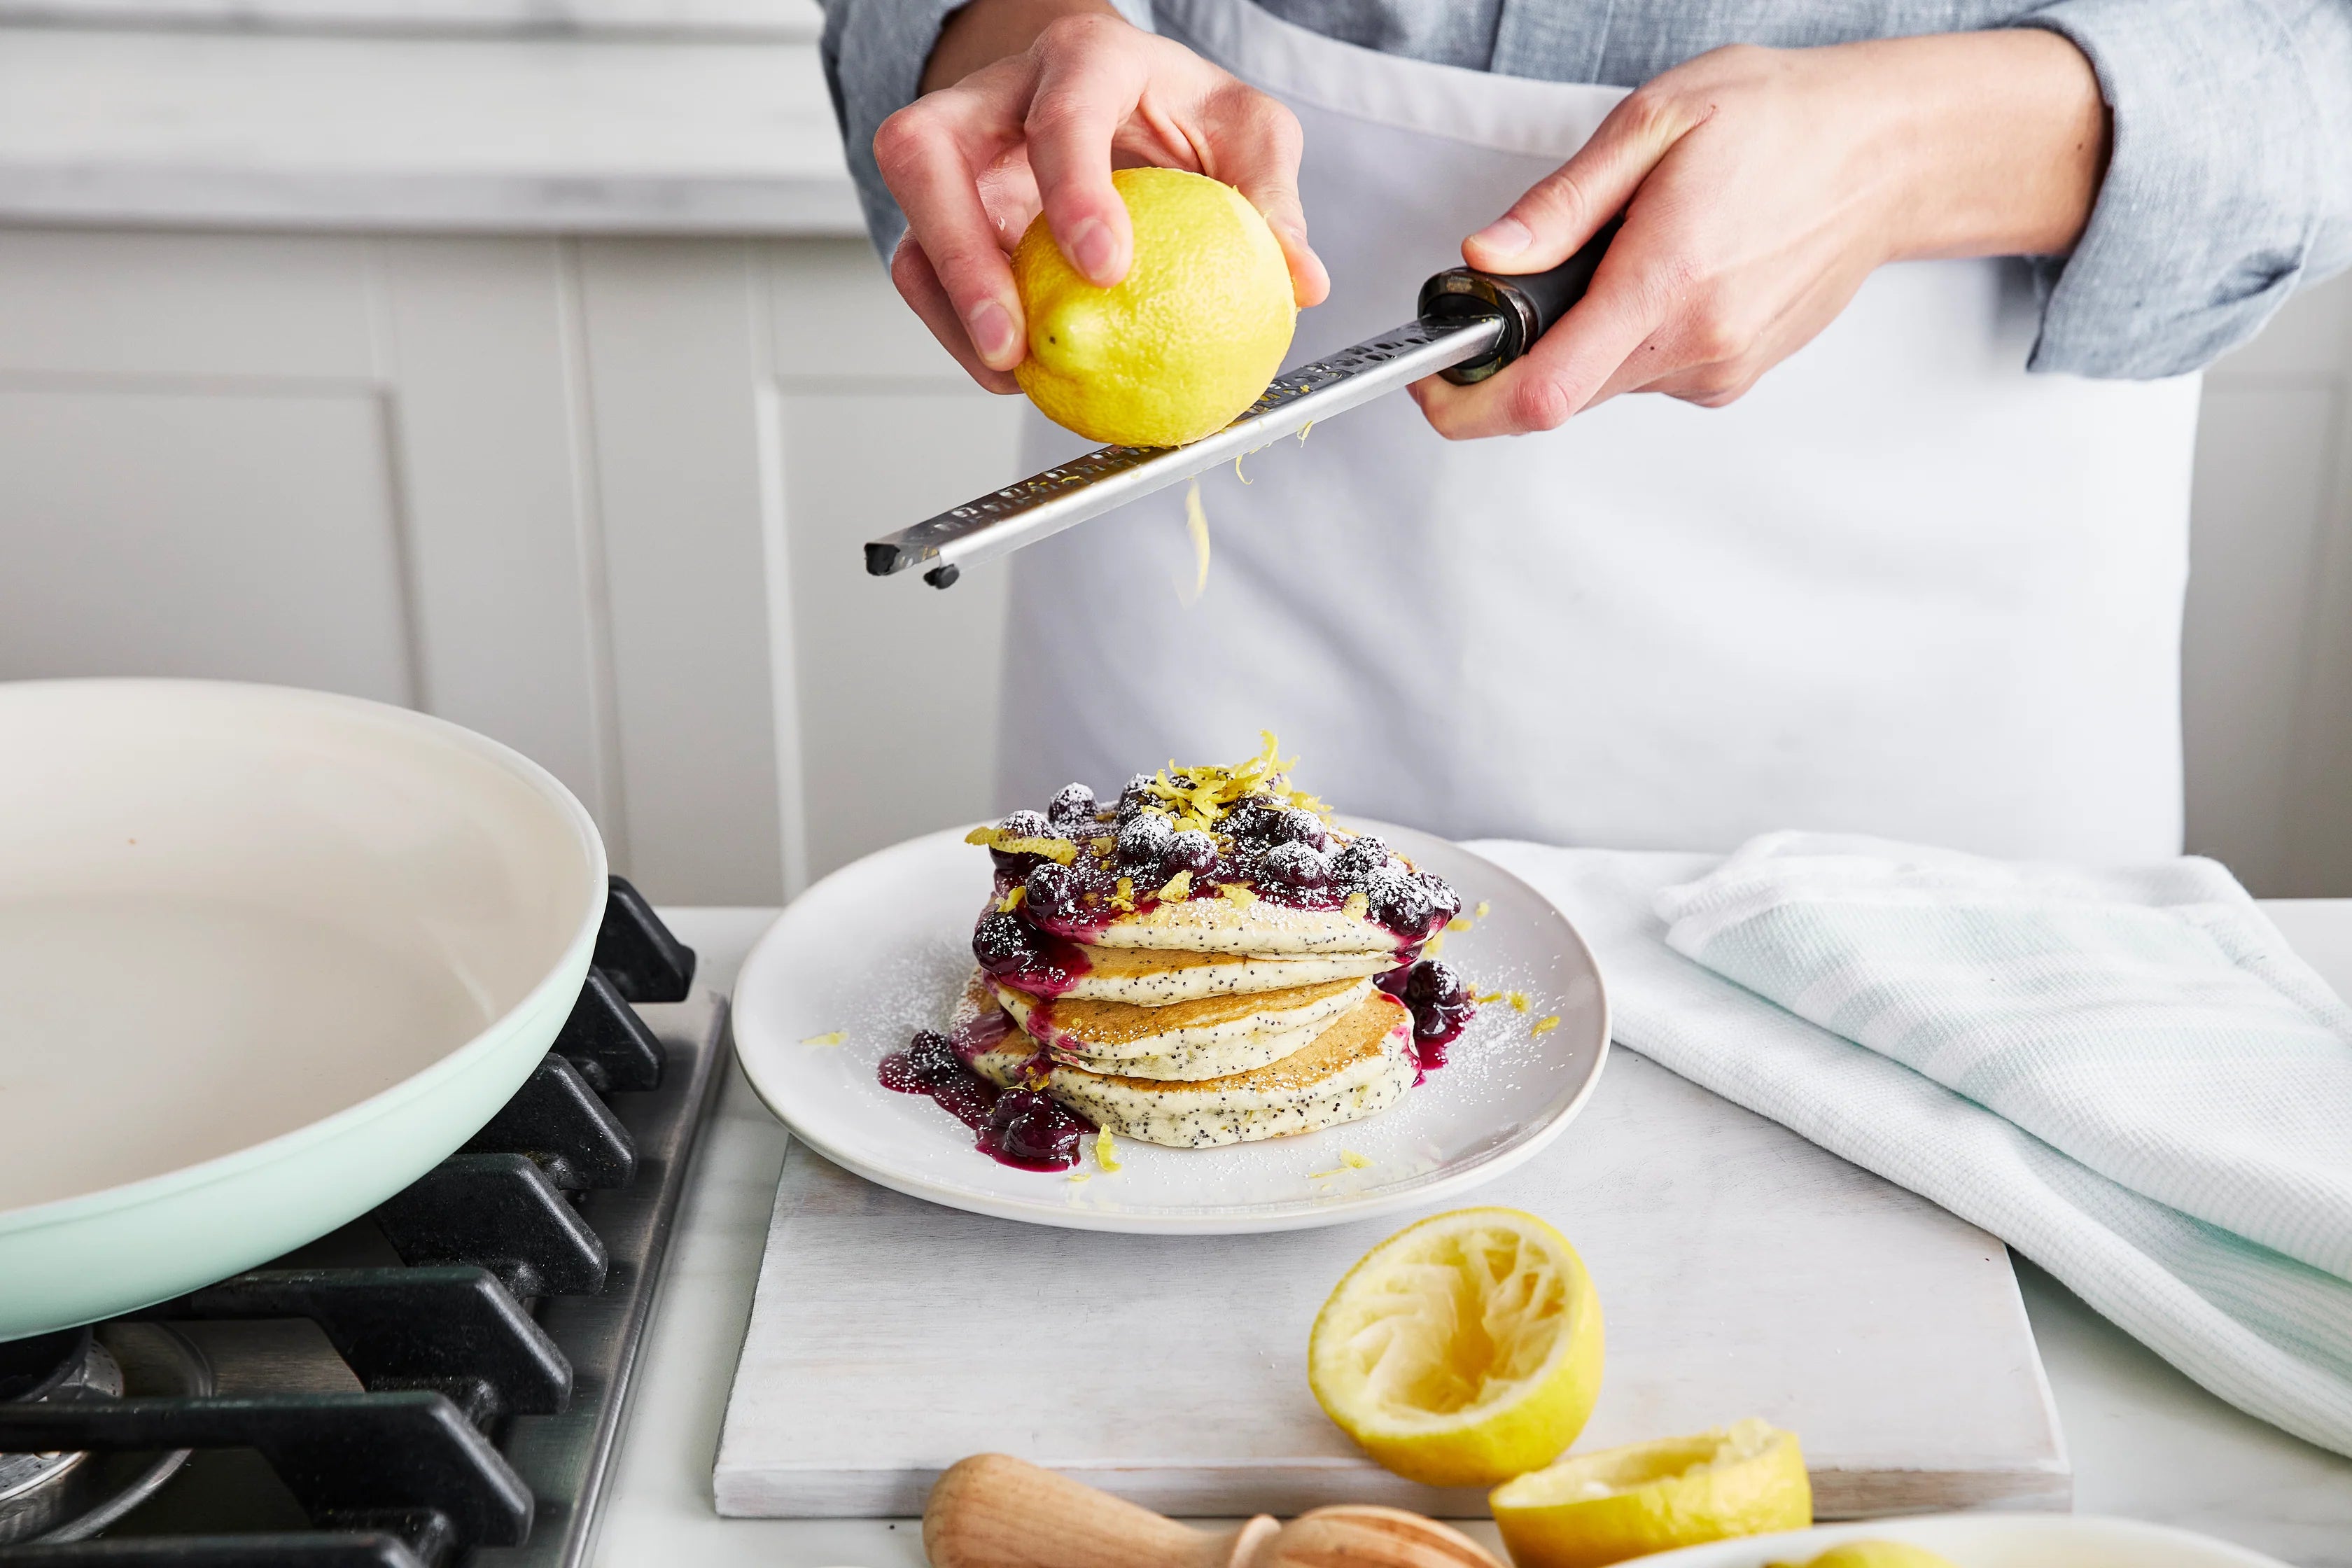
<point x="2230" y="180"/>
<point x="874" y="52"/>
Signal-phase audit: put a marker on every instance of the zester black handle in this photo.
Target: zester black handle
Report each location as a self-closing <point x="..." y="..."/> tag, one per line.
<point x="1528" y="302"/>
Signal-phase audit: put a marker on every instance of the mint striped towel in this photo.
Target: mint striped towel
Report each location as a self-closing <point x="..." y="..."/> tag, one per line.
<point x="2125" y="1074"/>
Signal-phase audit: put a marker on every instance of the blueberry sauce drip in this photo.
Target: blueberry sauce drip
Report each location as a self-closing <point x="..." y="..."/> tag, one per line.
<point x="1440" y="1004"/>
<point x="1012" y="950"/>
<point x="1023" y="1127"/>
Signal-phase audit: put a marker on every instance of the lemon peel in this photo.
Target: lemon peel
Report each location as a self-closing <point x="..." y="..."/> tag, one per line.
<point x="1059" y="850"/>
<point x="1480" y="912"/>
<point x="1464" y="1348"/>
<point x="832" y="1037"/>
<point x="1179" y="886"/>
<point x="1433" y="946"/>
<point x="1349" y="1161"/>
<point x="1012" y="899"/>
<point x="1545" y="1025"/>
<point x="1460" y="922"/>
<point x="1518" y="1001"/>
<point x="1196" y="529"/>
<point x="1103" y="1154"/>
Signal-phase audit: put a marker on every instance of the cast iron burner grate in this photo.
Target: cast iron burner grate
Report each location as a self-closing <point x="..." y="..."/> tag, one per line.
<point x="437" y="1384"/>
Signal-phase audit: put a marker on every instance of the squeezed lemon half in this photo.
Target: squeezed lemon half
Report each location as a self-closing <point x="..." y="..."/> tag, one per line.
<point x="1462" y="1350"/>
<point x="1186" y="341"/>
<point x="1616" y="1503"/>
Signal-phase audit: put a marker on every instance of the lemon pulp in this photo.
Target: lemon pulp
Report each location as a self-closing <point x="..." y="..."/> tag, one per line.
<point x="1186" y="341"/>
<point x="1463" y="1350"/>
<point x="1618" y="1503"/>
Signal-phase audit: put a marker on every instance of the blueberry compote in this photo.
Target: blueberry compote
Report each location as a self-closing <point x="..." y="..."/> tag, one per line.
<point x="1018" y="1127"/>
<point x="1063" y="874"/>
<point x="1440" y="1004"/>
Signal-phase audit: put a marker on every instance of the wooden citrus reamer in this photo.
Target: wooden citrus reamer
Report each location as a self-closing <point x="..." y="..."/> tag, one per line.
<point x="993" y="1510"/>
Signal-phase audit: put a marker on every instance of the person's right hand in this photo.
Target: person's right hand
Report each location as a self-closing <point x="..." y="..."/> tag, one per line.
<point x="973" y="163"/>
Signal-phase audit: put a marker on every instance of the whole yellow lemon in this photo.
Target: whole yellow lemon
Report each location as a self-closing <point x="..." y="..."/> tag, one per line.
<point x="1186" y="341"/>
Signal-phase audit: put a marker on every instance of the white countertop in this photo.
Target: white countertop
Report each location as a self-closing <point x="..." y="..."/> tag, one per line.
<point x="693" y="117"/>
<point x="2146" y="1442"/>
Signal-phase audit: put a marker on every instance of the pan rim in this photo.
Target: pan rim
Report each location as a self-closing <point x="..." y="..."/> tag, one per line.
<point x="457" y="1062"/>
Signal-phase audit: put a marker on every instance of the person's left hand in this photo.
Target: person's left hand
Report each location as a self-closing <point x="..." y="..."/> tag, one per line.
<point x="1760" y="187"/>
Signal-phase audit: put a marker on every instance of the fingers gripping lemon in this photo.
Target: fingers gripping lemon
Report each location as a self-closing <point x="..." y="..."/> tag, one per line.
<point x="1463" y="1350"/>
<point x="1184" y="342"/>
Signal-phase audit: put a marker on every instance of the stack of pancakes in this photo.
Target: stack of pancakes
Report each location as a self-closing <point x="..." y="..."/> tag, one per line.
<point x="1274" y="1030"/>
<point x="1227" y="1002"/>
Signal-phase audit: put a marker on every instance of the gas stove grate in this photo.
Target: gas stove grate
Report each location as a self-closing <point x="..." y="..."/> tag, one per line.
<point x="488" y="1315"/>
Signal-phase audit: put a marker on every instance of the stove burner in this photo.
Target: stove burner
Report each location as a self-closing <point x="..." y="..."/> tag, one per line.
<point x="436" y="1384"/>
<point x="67" y="1494"/>
<point x="30" y="1368"/>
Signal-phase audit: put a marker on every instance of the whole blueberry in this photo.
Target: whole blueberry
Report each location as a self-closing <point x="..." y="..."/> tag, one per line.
<point x="1050" y="891"/>
<point x="1191" y="850"/>
<point x="1294" y="866"/>
<point x="1435" y="984"/>
<point x="1135" y="796"/>
<point x="1297" y="826"/>
<point x="1251" y="819"/>
<point x="1072" y="810"/>
<point x="933" y="1057"/>
<point x="1443" y="901"/>
<point x="1145" y="839"/>
<point x="1402" y="904"/>
<point x="1004" y="939"/>
<point x="1358" y="860"/>
<point x="1028" y="1125"/>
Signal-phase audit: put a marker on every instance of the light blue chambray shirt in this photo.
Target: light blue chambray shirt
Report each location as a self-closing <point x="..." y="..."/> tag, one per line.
<point x="2231" y="182"/>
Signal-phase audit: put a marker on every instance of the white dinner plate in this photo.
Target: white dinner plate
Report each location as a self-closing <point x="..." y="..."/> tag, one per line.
<point x="1989" y="1540"/>
<point x="882" y="948"/>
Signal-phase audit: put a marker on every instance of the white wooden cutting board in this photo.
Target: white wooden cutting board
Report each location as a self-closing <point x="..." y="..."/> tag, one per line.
<point x="1741" y="1270"/>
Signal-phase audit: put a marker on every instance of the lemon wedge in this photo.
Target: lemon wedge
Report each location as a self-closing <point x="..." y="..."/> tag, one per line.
<point x="1616" y="1503"/>
<point x="1462" y="1350"/>
<point x="1876" y="1554"/>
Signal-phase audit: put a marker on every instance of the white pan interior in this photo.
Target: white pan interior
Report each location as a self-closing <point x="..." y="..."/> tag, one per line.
<point x="229" y="911"/>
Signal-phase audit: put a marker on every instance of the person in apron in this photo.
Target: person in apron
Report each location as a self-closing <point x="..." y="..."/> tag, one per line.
<point x="1859" y="572"/>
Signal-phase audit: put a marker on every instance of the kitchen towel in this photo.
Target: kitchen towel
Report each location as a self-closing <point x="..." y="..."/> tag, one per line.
<point x="2126" y="1075"/>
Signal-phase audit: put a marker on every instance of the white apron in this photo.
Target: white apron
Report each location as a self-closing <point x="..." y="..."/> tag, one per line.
<point x="1901" y="587"/>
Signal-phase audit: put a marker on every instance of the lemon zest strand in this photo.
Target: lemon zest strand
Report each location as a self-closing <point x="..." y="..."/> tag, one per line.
<point x="833" y="1037"/>
<point x="1196" y="527"/>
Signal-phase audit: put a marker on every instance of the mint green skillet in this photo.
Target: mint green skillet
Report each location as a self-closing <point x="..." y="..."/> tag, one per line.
<point x="265" y="956"/>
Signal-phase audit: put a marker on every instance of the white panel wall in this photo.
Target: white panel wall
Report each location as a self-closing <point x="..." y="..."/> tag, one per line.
<point x="603" y="499"/>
